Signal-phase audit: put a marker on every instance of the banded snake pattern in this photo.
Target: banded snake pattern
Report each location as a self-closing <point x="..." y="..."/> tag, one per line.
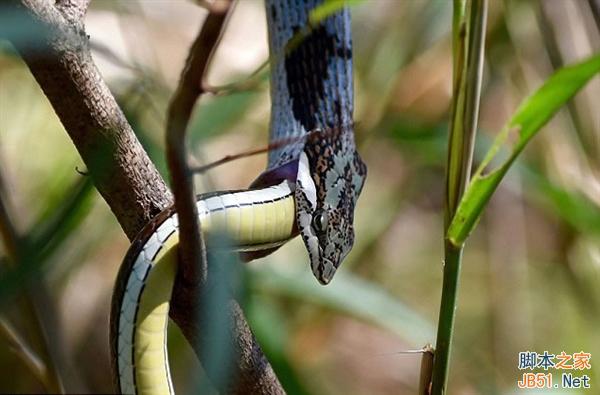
<point x="310" y="188"/>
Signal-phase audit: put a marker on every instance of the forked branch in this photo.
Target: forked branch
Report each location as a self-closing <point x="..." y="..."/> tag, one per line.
<point x="193" y="271"/>
<point x="52" y="41"/>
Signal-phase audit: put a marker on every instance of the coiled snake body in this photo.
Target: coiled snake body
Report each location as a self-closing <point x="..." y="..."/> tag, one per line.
<point x="310" y="188"/>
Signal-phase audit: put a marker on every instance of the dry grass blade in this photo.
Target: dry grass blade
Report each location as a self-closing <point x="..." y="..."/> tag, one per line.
<point x="18" y="345"/>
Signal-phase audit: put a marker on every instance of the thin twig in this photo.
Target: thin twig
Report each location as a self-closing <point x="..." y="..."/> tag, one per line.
<point x="192" y="253"/>
<point x="253" y="79"/>
<point x="19" y="346"/>
<point x="272" y="146"/>
<point x="248" y="83"/>
<point x="229" y="158"/>
<point x="253" y="374"/>
<point x="213" y="7"/>
<point x="204" y="4"/>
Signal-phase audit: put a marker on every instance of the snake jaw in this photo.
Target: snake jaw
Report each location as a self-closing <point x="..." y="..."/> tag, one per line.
<point x="331" y="194"/>
<point x="327" y="272"/>
<point x="306" y="206"/>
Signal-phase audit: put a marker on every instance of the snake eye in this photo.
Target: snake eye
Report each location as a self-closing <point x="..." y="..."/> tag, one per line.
<point x="320" y="221"/>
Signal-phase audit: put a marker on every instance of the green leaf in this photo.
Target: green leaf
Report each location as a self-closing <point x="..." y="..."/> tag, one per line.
<point x="269" y="327"/>
<point x="572" y="207"/>
<point x="60" y="220"/>
<point x="221" y="112"/>
<point x="529" y="118"/>
<point x="217" y="352"/>
<point x="329" y="7"/>
<point x="349" y="295"/>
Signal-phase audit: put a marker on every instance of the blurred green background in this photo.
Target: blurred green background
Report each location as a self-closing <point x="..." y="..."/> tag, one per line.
<point x="531" y="272"/>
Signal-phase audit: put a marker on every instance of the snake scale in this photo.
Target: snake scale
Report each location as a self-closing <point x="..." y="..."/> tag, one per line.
<point x="310" y="188"/>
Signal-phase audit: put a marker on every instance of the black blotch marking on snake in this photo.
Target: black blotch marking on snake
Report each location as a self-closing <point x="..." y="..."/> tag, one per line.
<point x="310" y="59"/>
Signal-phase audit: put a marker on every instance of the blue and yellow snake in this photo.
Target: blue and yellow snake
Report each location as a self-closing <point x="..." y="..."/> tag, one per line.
<point x="310" y="188"/>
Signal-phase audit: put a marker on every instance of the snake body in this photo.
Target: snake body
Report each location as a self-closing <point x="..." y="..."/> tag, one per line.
<point x="310" y="187"/>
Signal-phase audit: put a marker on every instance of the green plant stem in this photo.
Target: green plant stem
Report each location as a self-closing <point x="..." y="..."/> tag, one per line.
<point x="469" y="21"/>
<point x="441" y="363"/>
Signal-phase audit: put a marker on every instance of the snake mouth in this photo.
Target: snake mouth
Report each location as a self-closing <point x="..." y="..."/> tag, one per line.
<point x="325" y="271"/>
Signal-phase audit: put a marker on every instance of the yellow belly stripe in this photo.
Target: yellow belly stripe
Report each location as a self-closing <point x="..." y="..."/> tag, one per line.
<point x="150" y="356"/>
<point x="246" y="233"/>
<point x="258" y="224"/>
<point x="253" y="225"/>
<point x="249" y="225"/>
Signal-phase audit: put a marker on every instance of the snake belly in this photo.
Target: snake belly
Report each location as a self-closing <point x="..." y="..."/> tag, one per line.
<point x="255" y="220"/>
<point x="310" y="187"/>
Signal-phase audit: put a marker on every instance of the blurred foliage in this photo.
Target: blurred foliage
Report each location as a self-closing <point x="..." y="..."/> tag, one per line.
<point x="531" y="116"/>
<point x="531" y="270"/>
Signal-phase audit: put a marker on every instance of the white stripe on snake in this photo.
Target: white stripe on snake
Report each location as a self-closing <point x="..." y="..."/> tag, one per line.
<point x="310" y="187"/>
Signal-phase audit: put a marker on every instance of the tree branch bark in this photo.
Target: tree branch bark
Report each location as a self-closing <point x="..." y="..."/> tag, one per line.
<point x="73" y="10"/>
<point x="191" y="247"/>
<point x="253" y="374"/>
<point x="53" y="43"/>
<point x="57" y="53"/>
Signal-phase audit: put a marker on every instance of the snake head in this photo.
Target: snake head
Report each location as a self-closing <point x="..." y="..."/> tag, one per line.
<point x="330" y="178"/>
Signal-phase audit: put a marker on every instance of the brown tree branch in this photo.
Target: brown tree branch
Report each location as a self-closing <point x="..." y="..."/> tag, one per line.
<point x="73" y="10"/>
<point x="57" y="53"/>
<point x="191" y="247"/>
<point x="56" y="50"/>
<point x="253" y="374"/>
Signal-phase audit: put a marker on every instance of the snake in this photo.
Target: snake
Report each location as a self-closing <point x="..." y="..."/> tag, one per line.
<point x="309" y="188"/>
